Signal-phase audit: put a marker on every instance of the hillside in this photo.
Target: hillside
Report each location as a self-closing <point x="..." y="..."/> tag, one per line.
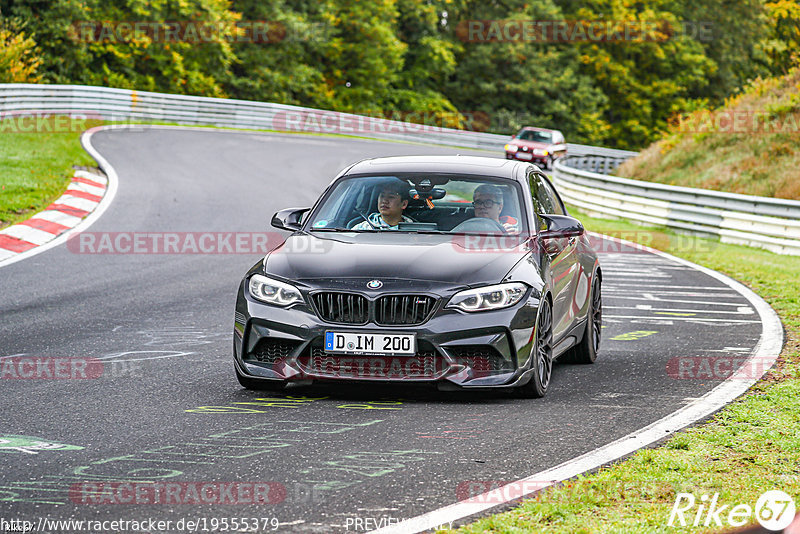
<point x="751" y="145"/>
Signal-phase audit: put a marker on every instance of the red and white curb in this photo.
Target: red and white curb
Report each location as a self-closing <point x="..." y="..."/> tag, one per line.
<point x="81" y="198"/>
<point x="86" y="198"/>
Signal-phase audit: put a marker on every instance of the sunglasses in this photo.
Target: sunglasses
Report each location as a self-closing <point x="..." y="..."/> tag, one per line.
<point x="485" y="203"/>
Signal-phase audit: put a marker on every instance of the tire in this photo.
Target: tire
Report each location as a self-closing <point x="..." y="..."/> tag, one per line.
<point x="550" y="162"/>
<point x="585" y="351"/>
<point x="541" y="355"/>
<point x="258" y="385"/>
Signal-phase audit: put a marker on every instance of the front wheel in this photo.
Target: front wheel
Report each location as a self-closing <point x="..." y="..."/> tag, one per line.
<point x="542" y="355"/>
<point x="586" y="351"/>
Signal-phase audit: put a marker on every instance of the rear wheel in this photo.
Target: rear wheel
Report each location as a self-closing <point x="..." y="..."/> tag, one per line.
<point x="542" y="355"/>
<point x="586" y="351"/>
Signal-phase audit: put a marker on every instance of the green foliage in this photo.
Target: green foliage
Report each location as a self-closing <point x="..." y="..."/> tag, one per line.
<point x="127" y="60"/>
<point x="747" y="146"/>
<point x="383" y="56"/>
<point x="784" y="45"/>
<point x="18" y="57"/>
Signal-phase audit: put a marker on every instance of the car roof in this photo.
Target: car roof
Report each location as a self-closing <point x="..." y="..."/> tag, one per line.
<point x="535" y="129"/>
<point x="479" y="165"/>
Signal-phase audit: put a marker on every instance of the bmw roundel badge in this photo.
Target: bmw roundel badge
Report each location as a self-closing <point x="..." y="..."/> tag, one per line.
<point x="374" y="284"/>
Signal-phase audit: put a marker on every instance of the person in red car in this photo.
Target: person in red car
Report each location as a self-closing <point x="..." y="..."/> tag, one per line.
<point x="488" y="202"/>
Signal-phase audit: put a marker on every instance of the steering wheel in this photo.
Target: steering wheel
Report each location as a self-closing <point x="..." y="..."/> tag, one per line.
<point x="354" y="221"/>
<point x="479" y="224"/>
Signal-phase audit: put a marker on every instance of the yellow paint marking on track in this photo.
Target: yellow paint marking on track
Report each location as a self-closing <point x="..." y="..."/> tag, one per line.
<point x="633" y="336"/>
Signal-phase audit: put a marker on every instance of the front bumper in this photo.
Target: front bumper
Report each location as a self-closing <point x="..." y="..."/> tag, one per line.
<point x="454" y="349"/>
<point x="533" y="159"/>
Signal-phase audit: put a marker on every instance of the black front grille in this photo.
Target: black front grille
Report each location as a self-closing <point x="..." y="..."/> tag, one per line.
<point x="403" y="309"/>
<point x="341" y="307"/>
<point x="270" y="350"/>
<point x="480" y="358"/>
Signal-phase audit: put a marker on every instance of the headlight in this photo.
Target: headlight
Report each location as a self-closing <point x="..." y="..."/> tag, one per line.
<point x="273" y="292"/>
<point x="511" y="148"/>
<point x="540" y="151"/>
<point x="489" y="297"/>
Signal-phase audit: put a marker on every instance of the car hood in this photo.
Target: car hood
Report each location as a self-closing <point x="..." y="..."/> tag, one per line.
<point x="531" y="144"/>
<point x="338" y="260"/>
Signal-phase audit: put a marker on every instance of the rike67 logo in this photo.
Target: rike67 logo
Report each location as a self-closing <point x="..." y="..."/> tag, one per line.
<point x="774" y="511"/>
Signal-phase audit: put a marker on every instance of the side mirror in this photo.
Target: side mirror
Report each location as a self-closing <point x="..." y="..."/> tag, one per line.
<point x="289" y="219"/>
<point x="560" y="226"/>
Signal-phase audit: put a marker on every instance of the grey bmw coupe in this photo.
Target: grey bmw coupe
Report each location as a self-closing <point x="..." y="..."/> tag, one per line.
<point x="463" y="272"/>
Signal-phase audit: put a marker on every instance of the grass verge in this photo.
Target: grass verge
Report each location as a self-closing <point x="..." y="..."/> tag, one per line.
<point x="35" y="169"/>
<point x="748" y="146"/>
<point x="749" y="447"/>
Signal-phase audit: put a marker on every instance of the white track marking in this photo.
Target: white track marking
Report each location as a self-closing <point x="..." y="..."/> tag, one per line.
<point x="742" y="310"/>
<point x="677" y="318"/>
<point x="766" y="351"/>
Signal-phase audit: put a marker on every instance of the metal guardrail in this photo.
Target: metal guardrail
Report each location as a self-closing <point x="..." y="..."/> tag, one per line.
<point x="582" y="177"/>
<point x="141" y="106"/>
<point x="768" y="223"/>
<point x="602" y="164"/>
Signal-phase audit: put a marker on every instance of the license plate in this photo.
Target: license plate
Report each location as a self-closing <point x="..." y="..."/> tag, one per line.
<point x="524" y="155"/>
<point x="366" y="343"/>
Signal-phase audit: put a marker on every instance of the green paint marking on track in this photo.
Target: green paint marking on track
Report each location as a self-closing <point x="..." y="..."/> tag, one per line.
<point x="30" y="445"/>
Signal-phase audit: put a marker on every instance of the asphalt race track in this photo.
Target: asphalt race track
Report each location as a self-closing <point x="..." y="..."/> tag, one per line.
<point x="163" y="404"/>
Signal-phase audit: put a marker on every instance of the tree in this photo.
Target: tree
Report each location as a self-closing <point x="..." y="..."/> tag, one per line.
<point x="92" y="42"/>
<point x="19" y="59"/>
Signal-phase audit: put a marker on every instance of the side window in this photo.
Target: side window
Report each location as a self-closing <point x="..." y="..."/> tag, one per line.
<point x="542" y="201"/>
<point x="555" y="201"/>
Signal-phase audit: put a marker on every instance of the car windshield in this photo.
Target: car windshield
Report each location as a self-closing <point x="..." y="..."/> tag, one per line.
<point x="422" y="204"/>
<point x="534" y="135"/>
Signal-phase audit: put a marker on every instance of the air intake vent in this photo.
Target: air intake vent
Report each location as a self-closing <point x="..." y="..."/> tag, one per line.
<point x="481" y="358"/>
<point x="270" y="350"/>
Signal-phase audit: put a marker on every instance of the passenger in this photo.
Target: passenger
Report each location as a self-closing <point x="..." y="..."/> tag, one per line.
<point x="392" y="200"/>
<point x="488" y="202"/>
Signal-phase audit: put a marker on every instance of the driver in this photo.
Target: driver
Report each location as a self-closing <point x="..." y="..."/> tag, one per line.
<point x="487" y="200"/>
<point x="392" y="200"/>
